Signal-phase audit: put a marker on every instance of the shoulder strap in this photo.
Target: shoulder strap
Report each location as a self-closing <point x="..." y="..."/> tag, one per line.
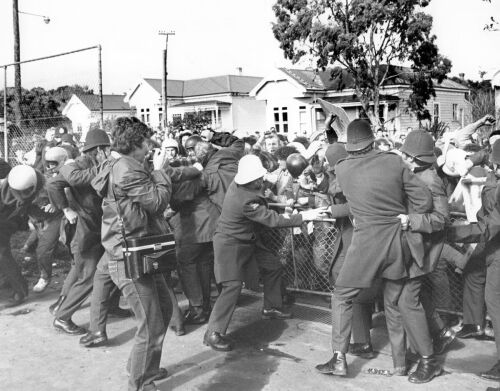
<point x="118" y="210"/>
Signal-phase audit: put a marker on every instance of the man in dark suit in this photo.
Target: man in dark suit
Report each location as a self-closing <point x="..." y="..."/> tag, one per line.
<point x="244" y="210"/>
<point x="377" y="186"/>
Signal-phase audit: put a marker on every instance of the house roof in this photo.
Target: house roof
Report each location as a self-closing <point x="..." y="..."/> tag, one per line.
<point x="109" y="102"/>
<point x="207" y="85"/>
<point x="337" y="79"/>
<point x="218" y="103"/>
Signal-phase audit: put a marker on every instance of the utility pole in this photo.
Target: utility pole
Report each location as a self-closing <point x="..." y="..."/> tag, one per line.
<point x="164" y="82"/>
<point x="17" y="67"/>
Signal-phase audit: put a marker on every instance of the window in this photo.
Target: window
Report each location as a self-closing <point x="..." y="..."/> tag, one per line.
<point x="281" y="119"/>
<point x="303" y="120"/>
<point x="435" y="112"/>
<point x="147" y="118"/>
<point x="160" y="118"/>
<point x="142" y="117"/>
<point x="461" y="117"/>
<point x="454" y="108"/>
<point x="320" y="119"/>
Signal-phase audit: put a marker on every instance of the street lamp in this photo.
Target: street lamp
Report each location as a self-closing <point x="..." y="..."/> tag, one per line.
<point x="46" y="19"/>
<point x="165" y="73"/>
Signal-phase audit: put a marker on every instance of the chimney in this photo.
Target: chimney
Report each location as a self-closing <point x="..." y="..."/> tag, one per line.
<point x="462" y="76"/>
<point x="240" y="71"/>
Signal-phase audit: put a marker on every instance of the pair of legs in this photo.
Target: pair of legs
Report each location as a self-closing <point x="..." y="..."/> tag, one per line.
<point x="48" y="233"/>
<point x="195" y="264"/>
<point x="10" y="269"/>
<point x="150" y="302"/>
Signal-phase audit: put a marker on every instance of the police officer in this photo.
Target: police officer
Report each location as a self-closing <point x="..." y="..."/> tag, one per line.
<point x="377" y="186"/>
<point x="244" y="210"/>
<point x="17" y="194"/>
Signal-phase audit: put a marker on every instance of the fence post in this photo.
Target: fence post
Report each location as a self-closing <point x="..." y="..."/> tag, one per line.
<point x="5" y="128"/>
<point x="295" y="279"/>
<point x="101" y="103"/>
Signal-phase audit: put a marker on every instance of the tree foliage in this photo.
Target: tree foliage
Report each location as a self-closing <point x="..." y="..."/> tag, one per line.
<point x="198" y="120"/>
<point x="368" y="38"/>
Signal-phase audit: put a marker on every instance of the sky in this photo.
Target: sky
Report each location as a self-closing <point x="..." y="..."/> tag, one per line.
<point x="212" y="37"/>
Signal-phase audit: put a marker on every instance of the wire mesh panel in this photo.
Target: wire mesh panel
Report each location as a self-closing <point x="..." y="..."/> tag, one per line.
<point x="57" y="92"/>
<point x="307" y="253"/>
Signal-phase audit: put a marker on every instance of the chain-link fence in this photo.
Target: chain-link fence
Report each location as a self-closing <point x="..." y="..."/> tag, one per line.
<point x="307" y="253"/>
<point x="59" y="94"/>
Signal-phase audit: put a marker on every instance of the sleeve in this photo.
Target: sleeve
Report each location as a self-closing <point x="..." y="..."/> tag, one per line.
<point x="479" y="158"/>
<point x="462" y="136"/>
<point x="436" y="220"/>
<point x="55" y="190"/>
<point x="180" y="174"/>
<point x="419" y="196"/>
<point x="151" y="191"/>
<point x="256" y="211"/>
<point x="340" y="210"/>
<point x="79" y="175"/>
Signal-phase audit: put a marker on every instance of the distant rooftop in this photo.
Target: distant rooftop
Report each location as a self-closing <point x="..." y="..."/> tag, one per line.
<point x="110" y="102"/>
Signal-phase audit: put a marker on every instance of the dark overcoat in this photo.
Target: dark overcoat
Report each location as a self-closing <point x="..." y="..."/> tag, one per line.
<point x="244" y="212"/>
<point x="430" y="225"/>
<point x="377" y="186"/>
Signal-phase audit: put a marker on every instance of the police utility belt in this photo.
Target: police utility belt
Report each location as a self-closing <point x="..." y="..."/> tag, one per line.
<point x="147" y="254"/>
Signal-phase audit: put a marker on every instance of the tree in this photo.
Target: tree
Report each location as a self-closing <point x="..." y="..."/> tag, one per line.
<point x="367" y="38"/>
<point x="192" y="121"/>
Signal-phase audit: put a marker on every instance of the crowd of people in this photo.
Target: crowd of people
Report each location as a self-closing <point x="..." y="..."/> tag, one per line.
<point x="390" y="199"/>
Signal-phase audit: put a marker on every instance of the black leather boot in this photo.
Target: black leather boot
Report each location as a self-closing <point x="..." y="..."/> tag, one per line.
<point x="443" y="340"/>
<point x="55" y="307"/>
<point x="68" y="327"/>
<point x="493" y="373"/>
<point x="336" y="366"/>
<point x="427" y="369"/>
<point x="91" y="340"/>
<point x="363" y="350"/>
<point x="217" y="342"/>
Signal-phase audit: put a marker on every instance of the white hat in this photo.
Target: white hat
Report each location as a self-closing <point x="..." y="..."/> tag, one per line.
<point x="249" y="169"/>
<point x="22" y="178"/>
<point x="170" y="143"/>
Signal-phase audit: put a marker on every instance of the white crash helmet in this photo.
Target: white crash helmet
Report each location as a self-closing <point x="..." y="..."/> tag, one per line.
<point x="249" y="169"/>
<point x="55" y="156"/>
<point x="22" y="178"/>
<point x="170" y="143"/>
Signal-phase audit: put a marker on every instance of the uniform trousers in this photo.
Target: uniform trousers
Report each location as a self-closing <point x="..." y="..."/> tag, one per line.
<point x="48" y="236"/>
<point x="398" y="309"/>
<point x="195" y="264"/>
<point x="492" y="296"/>
<point x="474" y="288"/>
<point x="9" y="267"/>
<point x="70" y="279"/>
<point x="224" y="306"/>
<point x="85" y="267"/>
<point x="150" y="302"/>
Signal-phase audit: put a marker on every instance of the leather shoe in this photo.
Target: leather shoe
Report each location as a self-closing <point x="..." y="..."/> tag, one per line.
<point x="91" y="340"/>
<point x="55" y="307"/>
<point x="274" y="313"/>
<point x="118" y="312"/>
<point x="470" y="331"/>
<point x="68" y="327"/>
<point x="427" y="369"/>
<point x="363" y="350"/>
<point x="162" y="374"/>
<point x="195" y="316"/>
<point x="15" y="300"/>
<point x="178" y="329"/>
<point x="217" y="342"/>
<point x="493" y="373"/>
<point x="443" y="340"/>
<point x="336" y="366"/>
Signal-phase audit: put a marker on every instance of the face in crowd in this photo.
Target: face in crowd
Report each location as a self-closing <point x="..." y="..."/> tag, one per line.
<point x="171" y="153"/>
<point x="272" y="144"/>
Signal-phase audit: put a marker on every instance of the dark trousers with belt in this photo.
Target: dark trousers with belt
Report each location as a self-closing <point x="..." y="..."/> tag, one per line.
<point x="150" y="302"/>
<point x="85" y="267"/>
<point x="195" y="264"/>
<point x="9" y="267"/>
<point x="474" y="289"/>
<point x="398" y="309"/>
<point x="48" y="237"/>
<point x="224" y="307"/>
<point x="492" y="296"/>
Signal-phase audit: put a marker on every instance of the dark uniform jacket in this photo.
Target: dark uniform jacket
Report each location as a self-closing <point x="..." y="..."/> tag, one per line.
<point x="430" y="225"/>
<point x="220" y="171"/>
<point x="377" y="186"/>
<point x="14" y="211"/>
<point x="487" y="229"/>
<point x="243" y="214"/>
<point x="196" y="216"/>
<point x="141" y="197"/>
<point x="83" y="199"/>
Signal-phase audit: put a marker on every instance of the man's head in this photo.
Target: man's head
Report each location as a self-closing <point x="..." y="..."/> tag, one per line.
<point x="203" y="150"/>
<point x="282" y="154"/>
<point x="418" y="149"/>
<point x="171" y="148"/>
<point x="495" y="157"/>
<point x="97" y="145"/>
<point x="359" y="136"/>
<point x="55" y="158"/>
<point x="128" y="139"/>
<point x="23" y="181"/>
<point x="250" y="172"/>
<point x="190" y="144"/>
<point x="50" y="134"/>
<point x="272" y="143"/>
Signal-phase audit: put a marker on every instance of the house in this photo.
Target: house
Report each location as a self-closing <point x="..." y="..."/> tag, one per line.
<point x="224" y="99"/>
<point x="291" y="101"/>
<point x="84" y="110"/>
